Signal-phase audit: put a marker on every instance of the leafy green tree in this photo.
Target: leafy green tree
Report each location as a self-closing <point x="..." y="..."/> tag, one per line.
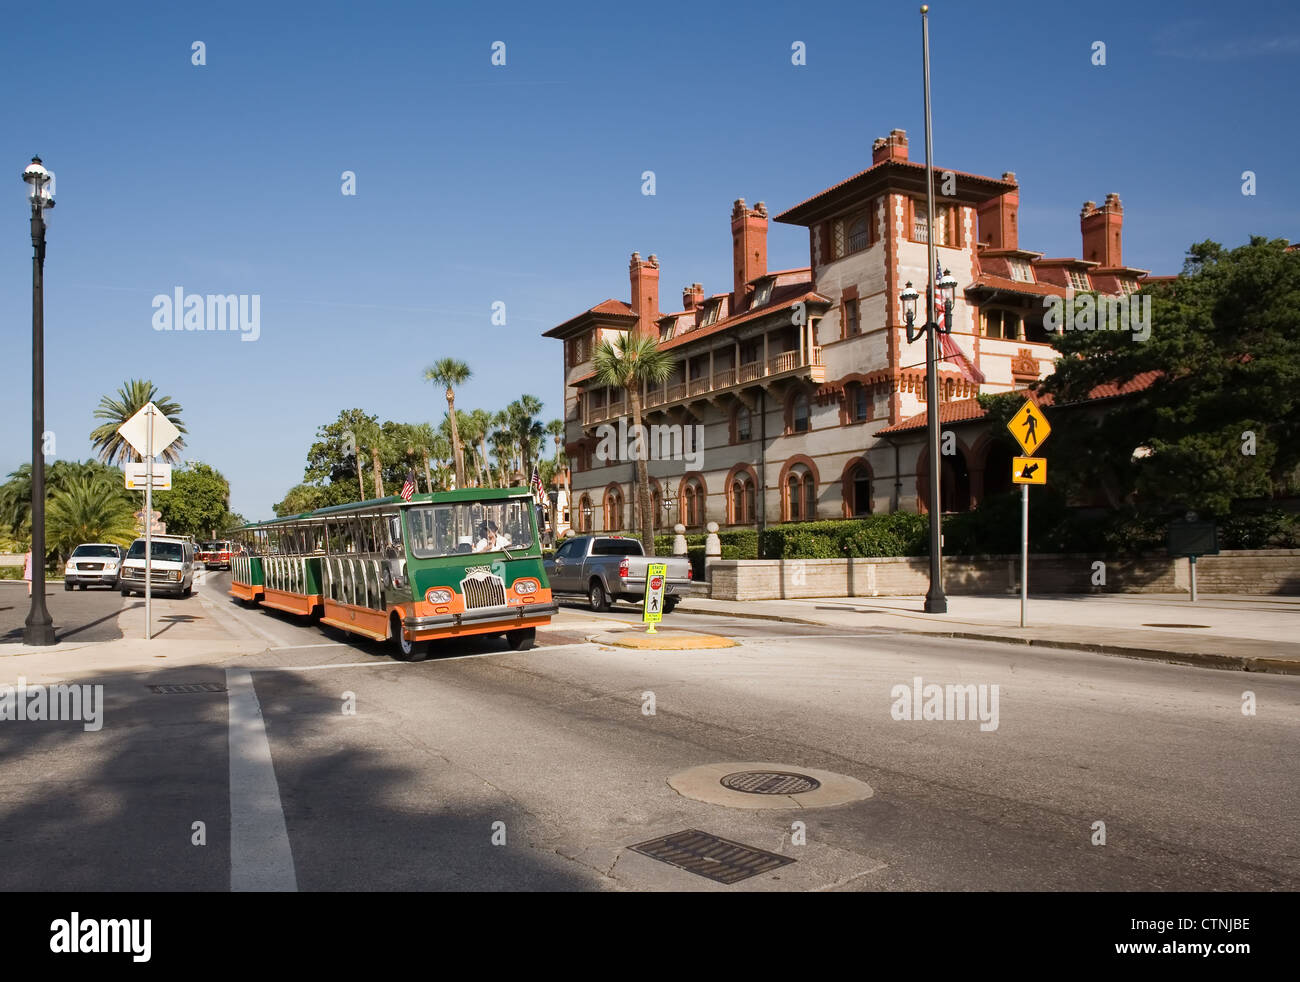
<point x="451" y="375"/>
<point x="300" y="498"/>
<point x="198" y="503"/>
<point x="1221" y="422"/>
<point x="628" y="363"/>
<point x="133" y="396"/>
<point x="88" y="510"/>
<point x="16" y="493"/>
<point x="335" y="461"/>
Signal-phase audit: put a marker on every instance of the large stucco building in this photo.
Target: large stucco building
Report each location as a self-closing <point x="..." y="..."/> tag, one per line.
<point x="807" y="392"/>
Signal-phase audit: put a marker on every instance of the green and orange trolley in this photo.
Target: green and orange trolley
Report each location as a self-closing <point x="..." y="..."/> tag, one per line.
<point x="439" y="566"/>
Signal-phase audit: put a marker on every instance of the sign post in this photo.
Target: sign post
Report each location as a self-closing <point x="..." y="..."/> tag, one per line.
<point x="656" y="580"/>
<point x="1030" y="428"/>
<point x="149" y="432"/>
<point x="1191" y="537"/>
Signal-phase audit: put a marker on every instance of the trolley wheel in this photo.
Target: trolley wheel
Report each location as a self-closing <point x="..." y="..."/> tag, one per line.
<point x="407" y="650"/>
<point x="522" y="639"/>
<point x="597" y="597"/>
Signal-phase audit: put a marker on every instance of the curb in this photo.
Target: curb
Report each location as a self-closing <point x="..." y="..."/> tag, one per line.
<point x="1196" y="659"/>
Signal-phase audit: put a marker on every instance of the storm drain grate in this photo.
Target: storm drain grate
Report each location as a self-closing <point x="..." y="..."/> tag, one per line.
<point x="711" y="856"/>
<point x="180" y="687"/>
<point x="770" y="782"/>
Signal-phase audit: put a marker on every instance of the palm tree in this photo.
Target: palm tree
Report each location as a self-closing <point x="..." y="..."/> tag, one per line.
<point x="131" y="398"/>
<point x="503" y="449"/>
<point x="421" y="438"/>
<point x="371" y="438"/>
<point x="528" y="431"/>
<point x="556" y="429"/>
<point x="630" y="362"/>
<point x="482" y="422"/>
<point x="450" y="373"/>
<point x="89" y="510"/>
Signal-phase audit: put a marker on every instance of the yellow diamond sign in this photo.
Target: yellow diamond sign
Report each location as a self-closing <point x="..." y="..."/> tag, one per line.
<point x="1029" y="427"/>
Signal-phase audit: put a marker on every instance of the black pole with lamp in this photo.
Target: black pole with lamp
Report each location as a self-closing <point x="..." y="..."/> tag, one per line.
<point x="39" y="627"/>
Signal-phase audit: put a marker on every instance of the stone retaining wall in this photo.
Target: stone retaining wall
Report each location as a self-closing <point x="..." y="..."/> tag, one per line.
<point x="1270" y="571"/>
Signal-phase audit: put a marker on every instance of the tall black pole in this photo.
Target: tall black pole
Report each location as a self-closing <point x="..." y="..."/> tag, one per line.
<point x="935" y="601"/>
<point x="39" y="629"/>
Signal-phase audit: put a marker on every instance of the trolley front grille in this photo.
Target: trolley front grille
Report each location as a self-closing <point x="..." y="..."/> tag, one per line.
<point x="490" y="591"/>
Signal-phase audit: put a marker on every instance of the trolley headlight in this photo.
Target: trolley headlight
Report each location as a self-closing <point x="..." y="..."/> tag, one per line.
<point x="526" y="586"/>
<point x="438" y="596"/>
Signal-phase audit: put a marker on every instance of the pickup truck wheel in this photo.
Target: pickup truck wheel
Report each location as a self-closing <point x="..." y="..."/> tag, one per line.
<point x="67" y="587"/>
<point x="670" y="604"/>
<point x="597" y="596"/>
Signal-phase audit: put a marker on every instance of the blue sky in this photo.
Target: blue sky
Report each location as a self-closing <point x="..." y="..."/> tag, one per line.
<point x="522" y="183"/>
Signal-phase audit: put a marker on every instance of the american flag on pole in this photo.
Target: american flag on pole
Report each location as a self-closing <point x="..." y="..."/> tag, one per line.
<point x="408" y="486"/>
<point x="539" y="492"/>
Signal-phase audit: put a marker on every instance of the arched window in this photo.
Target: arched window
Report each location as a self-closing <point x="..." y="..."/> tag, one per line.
<point x="613" y="510"/>
<point x="800" y="495"/>
<point x="584" y="514"/>
<point x="799" y="420"/>
<point x="692" y="513"/>
<point x="743" y="428"/>
<point x="742" y="499"/>
<point x="859" y="488"/>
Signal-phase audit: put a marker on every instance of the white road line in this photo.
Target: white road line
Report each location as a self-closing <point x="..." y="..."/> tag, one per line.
<point x="260" y="856"/>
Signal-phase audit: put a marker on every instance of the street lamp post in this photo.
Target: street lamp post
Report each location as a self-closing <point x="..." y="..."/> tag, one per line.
<point x="39" y="627"/>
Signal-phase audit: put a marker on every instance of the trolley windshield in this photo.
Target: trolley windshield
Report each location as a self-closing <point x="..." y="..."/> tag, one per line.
<point x="469" y="527"/>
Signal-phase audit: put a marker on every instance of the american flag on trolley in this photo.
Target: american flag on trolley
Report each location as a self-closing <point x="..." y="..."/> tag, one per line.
<point x="539" y="491"/>
<point x="408" y="486"/>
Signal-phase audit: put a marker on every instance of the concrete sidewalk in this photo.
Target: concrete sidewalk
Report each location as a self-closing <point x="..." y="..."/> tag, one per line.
<point x="1257" y="634"/>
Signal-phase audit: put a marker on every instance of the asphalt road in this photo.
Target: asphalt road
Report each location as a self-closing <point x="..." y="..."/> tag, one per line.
<point x="79" y="615"/>
<point x="553" y="748"/>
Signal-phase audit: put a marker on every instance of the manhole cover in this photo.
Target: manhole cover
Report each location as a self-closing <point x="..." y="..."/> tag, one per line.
<point x="1206" y="626"/>
<point x="770" y="782"/>
<point x="180" y="687"/>
<point x="712" y="856"/>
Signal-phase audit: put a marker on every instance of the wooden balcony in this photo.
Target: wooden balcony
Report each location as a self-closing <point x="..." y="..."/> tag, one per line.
<point x="785" y="363"/>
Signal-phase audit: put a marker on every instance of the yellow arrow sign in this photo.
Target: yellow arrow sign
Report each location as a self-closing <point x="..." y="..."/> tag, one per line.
<point x="1029" y="426"/>
<point x="1029" y="470"/>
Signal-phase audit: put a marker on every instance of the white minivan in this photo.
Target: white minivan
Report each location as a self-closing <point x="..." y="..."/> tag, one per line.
<point x="172" y="568"/>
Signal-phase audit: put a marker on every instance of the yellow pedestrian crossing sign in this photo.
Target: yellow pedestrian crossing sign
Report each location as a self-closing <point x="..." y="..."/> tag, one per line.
<point x="656" y="580"/>
<point x="1029" y="470"/>
<point x="1030" y="428"/>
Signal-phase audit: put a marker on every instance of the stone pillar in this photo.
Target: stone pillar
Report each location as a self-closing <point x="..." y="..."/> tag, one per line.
<point x="712" y="547"/>
<point x="679" y="539"/>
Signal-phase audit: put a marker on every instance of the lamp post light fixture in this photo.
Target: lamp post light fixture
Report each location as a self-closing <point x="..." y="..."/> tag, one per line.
<point x="945" y="285"/>
<point x="39" y="627"/>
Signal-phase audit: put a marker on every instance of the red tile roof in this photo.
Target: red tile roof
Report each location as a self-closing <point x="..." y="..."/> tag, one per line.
<point x="968" y="410"/>
<point x="606" y="308"/>
<point x="991" y="281"/>
<point x="782" y="297"/>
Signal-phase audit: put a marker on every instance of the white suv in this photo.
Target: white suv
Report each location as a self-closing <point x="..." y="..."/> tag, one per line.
<point x="172" y="568"/>
<point x="92" y="563"/>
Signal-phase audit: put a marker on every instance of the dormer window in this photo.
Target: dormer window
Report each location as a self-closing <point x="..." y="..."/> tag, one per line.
<point x="762" y="294"/>
<point x="711" y="313"/>
<point x="1079" y="280"/>
<point x="666" y="329"/>
<point x="1021" y="271"/>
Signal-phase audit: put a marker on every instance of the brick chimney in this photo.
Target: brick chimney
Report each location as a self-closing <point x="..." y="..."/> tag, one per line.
<point x="749" y="246"/>
<point x="692" y="296"/>
<point x="1102" y="230"/>
<point x="892" y="147"/>
<point x="644" y="274"/>
<point x="997" y="218"/>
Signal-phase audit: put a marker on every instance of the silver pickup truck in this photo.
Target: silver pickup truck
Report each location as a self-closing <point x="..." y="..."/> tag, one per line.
<point x="607" y="568"/>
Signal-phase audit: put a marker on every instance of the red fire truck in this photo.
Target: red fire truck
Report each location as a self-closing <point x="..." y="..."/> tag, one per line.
<point x="215" y="554"/>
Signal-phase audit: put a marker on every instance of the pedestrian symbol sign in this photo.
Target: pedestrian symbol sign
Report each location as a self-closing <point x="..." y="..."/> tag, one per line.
<point x="656" y="577"/>
<point x="1030" y="428"/>
<point x="1029" y="470"/>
